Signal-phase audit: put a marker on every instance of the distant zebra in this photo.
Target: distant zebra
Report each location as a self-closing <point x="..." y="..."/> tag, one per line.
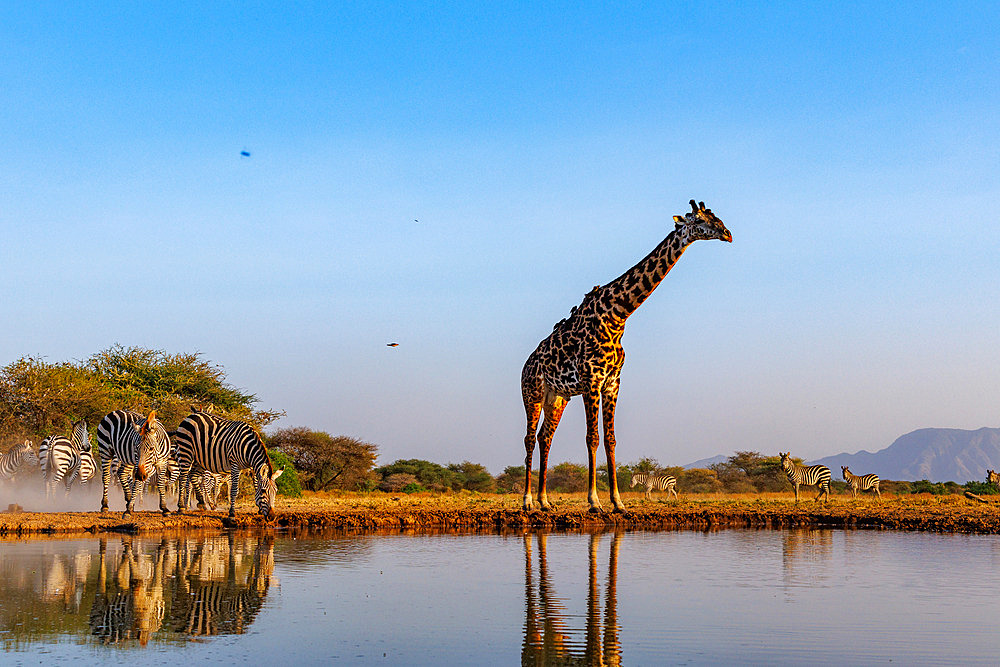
<point x="861" y="482"/>
<point x="140" y="445"/>
<point x="992" y="478"/>
<point x="15" y="458"/>
<point x="666" y="483"/>
<point x="220" y="445"/>
<point x="62" y="457"/>
<point x="818" y="476"/>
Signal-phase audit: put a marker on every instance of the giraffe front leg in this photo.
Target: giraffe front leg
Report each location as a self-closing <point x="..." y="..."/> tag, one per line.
<point x="591" y="403"/>
<point x="609" y="401"/>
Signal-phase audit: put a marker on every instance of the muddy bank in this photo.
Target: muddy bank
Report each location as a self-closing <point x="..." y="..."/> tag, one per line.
<point x="950" y="514"/>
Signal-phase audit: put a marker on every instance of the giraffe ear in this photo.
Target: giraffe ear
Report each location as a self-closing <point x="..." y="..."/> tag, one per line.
<point x="679" y="219"/>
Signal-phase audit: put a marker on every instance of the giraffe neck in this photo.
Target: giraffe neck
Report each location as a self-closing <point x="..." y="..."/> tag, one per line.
<point x="623" y="295"/>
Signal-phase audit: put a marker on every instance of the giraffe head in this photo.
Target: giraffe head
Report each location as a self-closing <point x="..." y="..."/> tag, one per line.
<point x="701" y="223"/>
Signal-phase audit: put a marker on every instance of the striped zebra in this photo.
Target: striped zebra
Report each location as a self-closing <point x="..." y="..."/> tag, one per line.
<point x="992" y="478"/>
<point x="861" y="482"/>
<point x="651" y="481"/>
<point x="16" y="457"/>
<point x="62" y="458"/>
<point x="140" y="445"/>
<point x="818" y="476"/>
<point x="219" y="445"/>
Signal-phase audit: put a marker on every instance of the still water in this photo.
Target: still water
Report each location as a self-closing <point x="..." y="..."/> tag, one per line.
<point x="683" y="597"/>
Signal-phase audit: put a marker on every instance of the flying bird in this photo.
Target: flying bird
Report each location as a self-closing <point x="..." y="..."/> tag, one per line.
<point x="244" y="153"/>
<point x="392" y="344"/>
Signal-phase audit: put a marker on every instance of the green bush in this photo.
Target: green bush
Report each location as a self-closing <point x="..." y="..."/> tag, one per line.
<point x="412" y="487"/>
<point x="981" y="488"/>
<point x="288" y="484"/>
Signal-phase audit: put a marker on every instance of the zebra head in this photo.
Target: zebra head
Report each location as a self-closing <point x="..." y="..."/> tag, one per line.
<point x="265" y="488"/>
<point x="992" y="477"/>
<point x="28" y="453"/>
<point x="80" y="437"/>
<point x="844" y="472"/>
<point x="149" y="446"/>
<point x="786" y="461"/>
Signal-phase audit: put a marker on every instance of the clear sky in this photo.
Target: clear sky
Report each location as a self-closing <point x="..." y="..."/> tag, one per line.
<point x="455" y="176"/>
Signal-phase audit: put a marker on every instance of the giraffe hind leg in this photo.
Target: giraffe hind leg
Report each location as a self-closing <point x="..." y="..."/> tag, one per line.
<point x="553" y="407"/>
<point x="532" y="409"/>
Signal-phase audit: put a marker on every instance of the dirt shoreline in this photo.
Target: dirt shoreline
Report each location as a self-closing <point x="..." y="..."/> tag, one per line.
<point x="502" y="513"/>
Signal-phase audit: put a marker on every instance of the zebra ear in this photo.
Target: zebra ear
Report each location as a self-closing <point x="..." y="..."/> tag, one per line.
<point x="276" y="475"/>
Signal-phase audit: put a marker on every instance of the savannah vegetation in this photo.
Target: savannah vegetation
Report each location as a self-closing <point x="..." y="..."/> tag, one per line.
<point x="39" y="398"/>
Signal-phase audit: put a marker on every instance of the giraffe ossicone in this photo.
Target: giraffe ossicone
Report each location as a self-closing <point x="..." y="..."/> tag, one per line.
<point x="583" y="356"/>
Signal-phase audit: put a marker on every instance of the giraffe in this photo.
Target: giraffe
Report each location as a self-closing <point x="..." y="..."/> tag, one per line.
<point x="584" y="355"/>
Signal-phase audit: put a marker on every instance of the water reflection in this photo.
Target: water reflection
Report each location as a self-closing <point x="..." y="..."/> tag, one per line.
<point x="803" y="551"/>
<point x="548" y="639"/>
<point x="134" y="590"/>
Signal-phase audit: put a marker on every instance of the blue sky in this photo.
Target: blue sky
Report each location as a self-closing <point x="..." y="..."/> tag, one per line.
<point x="456" y="177"/>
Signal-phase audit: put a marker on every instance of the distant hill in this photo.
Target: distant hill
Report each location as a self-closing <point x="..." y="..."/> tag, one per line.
<point x="704" y="463"/>
<point x="937" y="454"/>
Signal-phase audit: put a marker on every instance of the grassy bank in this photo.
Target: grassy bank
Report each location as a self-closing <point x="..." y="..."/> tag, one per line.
<point x="379" y="511"/>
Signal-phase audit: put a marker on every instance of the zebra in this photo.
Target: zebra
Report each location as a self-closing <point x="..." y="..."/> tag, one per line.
<point x="15" y="457"/>
<point x="666" y="483"/>
<point x="140" y="445"/>
<point x="218" y="445"/>
<point x="62" y="457"/>
<point x="818" y="476"/>
<point x="861" y="482"/>
<point x="992" y="478"/>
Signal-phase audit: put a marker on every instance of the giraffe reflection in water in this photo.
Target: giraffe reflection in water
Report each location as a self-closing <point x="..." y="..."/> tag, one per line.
<point x="189" y="587"/>
<point x="547" y="638"/>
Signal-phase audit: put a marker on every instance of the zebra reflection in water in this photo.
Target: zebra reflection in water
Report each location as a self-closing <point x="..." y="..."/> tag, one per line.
<point x="223" y="586"/>
<point x="547" y="639"/>
<point x="191" y="587"/>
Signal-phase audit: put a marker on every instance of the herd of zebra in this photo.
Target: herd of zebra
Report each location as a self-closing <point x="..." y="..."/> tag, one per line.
<point x="799" y="475"/>
<point x="205" y="451"/>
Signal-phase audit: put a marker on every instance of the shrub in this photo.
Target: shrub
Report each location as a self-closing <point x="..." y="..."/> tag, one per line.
<point x="981" y="488"/>
<point x="288" y="484"/>
<point x="397" y="482"/>
<point x="326" y="462"/>
<point x="412" y="487"/>
<point x="567" y="478"/>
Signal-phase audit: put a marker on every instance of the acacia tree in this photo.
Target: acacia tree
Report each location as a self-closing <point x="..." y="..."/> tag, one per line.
<point x="326" y="462"/>
<point x="39" y="398"/>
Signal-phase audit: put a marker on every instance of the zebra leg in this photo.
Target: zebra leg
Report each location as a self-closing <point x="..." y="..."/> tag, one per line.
<point x="71" y="479"/>
<point x="161" y="486"/>
<point x="234" y="487"/>
<point x="126" y="475"/>
<point x="673" y="491"/>
<point x="796" y="493"/>
<point x="106" y="478"/>
<point x="649" y="494"/>
<point x="878" y="493"/>
<point x="183" y="486"/>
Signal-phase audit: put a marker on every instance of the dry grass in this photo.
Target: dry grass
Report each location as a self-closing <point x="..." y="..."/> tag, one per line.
<point x="373" y="511"/>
